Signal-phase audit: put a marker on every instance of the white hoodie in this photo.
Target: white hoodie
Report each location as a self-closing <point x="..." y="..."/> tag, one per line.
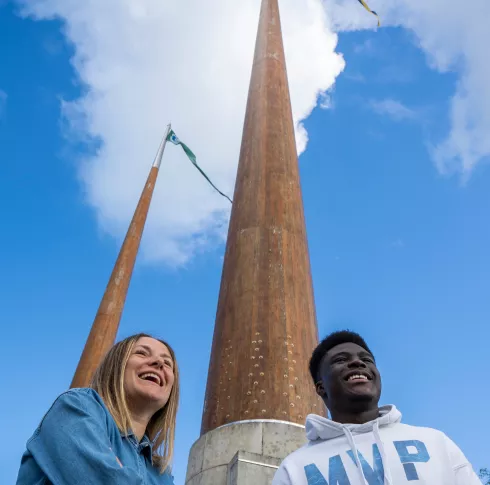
<point x="380" y="452"/>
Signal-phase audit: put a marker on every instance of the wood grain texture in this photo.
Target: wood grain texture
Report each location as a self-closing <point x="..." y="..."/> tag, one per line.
<point x="265" y="327"/>
<point x="106" y="323"/>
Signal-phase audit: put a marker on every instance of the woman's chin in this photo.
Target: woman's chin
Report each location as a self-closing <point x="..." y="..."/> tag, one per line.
<point x="153" y="393"/>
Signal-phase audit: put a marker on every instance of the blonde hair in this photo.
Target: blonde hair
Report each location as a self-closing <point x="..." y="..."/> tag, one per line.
<point x="108" y="382"/>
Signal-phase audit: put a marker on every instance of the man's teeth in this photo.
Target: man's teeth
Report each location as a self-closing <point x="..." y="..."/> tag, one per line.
<point x="357" y="376"/>
<point x="150" y="374"/>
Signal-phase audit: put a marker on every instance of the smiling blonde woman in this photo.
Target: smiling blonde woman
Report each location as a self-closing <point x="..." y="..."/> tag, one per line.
<point x="119" y="431"/>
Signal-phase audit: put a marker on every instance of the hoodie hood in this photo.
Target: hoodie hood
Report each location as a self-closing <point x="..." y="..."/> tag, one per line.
<point x="319" y="428"/>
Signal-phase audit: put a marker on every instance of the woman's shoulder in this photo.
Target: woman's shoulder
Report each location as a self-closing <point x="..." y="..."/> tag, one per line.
<point x="77" y="401"/>
<point x="71" y="413"/>
<point x="81" y="395"/>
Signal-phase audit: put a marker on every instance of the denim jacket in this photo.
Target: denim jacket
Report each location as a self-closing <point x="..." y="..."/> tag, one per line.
<point x="78" y="443"/>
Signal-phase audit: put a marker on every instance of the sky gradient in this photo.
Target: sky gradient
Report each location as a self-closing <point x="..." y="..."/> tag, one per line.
<point x="398" y="247"/>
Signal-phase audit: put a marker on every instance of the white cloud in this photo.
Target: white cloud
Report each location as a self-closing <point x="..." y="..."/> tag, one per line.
<point x="394" y="109"/>
<point x="145" y="62"/>
<point x="366" y="48"/>
<point x="3" y="102"/>
<point x="325" y="101"/>
<point x="398" y="244"/>
<point x="455" y="37"/>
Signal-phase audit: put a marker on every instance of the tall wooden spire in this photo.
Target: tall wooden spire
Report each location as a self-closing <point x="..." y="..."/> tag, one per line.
<point x="265" y="324"/>
<point x="106" y="322"/>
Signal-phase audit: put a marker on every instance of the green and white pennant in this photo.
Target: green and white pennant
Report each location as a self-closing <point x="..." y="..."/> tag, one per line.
<point x="172" y="138"/>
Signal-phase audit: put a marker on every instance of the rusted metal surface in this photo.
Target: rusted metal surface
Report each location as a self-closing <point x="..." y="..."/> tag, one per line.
<point x="265" y="324"/>
<point x="106" y="323"/>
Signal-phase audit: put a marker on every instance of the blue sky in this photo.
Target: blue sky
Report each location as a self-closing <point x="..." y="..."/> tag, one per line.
<point x="399" y="250"/>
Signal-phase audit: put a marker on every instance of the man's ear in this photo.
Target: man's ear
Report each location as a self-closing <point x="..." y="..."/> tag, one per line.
<point x="320" y="390"/>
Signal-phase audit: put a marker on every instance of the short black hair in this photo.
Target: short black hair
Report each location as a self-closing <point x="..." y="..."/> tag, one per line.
<point x="331" y="341"/>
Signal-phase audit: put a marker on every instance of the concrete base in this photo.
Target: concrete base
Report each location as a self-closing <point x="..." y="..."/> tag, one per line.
<point x="242" y="453"/>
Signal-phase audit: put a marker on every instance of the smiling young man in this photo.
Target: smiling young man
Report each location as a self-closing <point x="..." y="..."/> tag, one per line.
<point x="364" y="444"/>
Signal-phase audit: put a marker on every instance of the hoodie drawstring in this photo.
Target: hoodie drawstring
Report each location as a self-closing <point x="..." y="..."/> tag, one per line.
<point x="386" y="469"/>
<point x="350" y="439"/>
<point x="352" y="444"/>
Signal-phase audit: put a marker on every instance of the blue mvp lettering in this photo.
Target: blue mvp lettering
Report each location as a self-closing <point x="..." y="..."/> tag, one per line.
<point x="409" y="452"/>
